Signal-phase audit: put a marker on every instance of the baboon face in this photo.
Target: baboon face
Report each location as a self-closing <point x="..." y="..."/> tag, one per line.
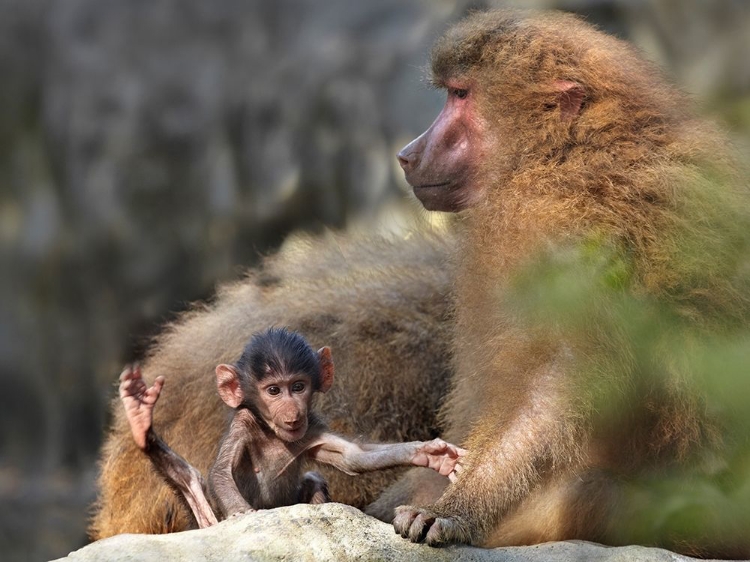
<point x="283" y="402"/>
<point x="440" y="163"/>
<point x="451" y="164"/>
<point x="513" y="91"/>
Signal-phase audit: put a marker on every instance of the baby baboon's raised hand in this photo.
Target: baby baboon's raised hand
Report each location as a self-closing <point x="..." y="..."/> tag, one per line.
<point x="139" y="401"/>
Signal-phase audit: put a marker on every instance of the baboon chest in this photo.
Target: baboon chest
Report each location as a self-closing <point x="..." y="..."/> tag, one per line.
<point x="270" y="474"/>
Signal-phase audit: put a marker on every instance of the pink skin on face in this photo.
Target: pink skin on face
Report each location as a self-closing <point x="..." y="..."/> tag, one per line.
<point x="439" y="164"/>
<point x="283" y="403"/>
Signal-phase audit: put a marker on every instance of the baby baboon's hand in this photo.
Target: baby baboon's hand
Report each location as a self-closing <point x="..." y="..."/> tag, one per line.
<point x="441" y="456"/>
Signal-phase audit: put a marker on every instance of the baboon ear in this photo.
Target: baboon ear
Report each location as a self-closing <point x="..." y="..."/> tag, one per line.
<point x="228" y="385"/>
<point x="570" y="96"/>
<point x="326" y="369"/>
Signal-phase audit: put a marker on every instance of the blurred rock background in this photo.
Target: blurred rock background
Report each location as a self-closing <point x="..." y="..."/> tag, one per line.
<point x="152" y="148"/>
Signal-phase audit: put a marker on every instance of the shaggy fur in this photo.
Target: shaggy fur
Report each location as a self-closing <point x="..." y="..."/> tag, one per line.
<point x="633" y="174"/>
<point x="557" y="416"/>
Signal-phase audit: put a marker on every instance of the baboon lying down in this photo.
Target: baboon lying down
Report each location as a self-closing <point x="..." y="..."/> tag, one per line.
<point x="557" y="145"/>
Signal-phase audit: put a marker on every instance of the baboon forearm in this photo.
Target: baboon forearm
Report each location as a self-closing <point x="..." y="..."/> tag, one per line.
<point x="181" y="476"/>
<point x="359" y="461"/>
<point x="169" y="464"/>
<point x="499" y="473"/>
<point x="356" y="458"/>
<point x="369" y="457"/>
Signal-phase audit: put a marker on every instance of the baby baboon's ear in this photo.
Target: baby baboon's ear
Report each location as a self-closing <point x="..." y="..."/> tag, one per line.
<point x="228" y="385"/>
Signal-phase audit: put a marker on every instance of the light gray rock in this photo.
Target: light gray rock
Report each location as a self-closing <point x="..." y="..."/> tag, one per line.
<point x="333" y="532"/>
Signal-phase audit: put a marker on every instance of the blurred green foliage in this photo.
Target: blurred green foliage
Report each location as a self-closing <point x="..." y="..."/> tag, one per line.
<point x="680" y="351"/>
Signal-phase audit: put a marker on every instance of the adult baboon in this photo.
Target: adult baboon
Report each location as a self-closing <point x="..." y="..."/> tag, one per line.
<point x="560" y="145"/>
<point x="556" y="141"/>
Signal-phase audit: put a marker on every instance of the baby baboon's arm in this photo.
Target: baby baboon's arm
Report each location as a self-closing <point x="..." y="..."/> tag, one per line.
<point x="139" y="401"/>
<point x="355" y="458"/>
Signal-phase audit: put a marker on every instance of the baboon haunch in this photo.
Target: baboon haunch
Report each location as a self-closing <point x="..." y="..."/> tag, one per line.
<point x="272" y="435"/>
<point x="553" y="136"/>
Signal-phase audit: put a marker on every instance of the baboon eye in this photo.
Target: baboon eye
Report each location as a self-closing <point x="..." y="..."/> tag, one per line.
<point x="460" y="93"/>
<point x="273" y="390"/>
<point x="298" y="387"/>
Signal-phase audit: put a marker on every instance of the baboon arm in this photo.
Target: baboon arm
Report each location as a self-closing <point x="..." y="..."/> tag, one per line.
<point x="502" y="471"/>
<point x="181" y="476"/>
<point x="223" y="486"/>
<point x="504" y="464"/>
<point x="356" y="458"/>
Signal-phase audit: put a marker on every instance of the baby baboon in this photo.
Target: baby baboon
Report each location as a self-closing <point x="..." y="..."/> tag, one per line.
<point x="273" y="433"/>
<point x="383" y="304"/>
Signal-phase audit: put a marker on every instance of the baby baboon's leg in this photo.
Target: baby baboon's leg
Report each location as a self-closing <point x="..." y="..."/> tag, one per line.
<point x="313" y="489"/>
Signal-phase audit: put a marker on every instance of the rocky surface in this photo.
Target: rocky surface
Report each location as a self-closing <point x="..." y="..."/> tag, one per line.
<point x="333" y="533"/>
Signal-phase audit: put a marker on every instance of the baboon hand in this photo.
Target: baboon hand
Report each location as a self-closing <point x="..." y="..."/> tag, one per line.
<point x="139" y="401"/>
<point x="422" y="524"/>
<point x="441" y="457"/>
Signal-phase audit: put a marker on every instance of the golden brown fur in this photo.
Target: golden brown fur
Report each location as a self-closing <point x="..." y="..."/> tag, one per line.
<point x="633" y="171"/>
